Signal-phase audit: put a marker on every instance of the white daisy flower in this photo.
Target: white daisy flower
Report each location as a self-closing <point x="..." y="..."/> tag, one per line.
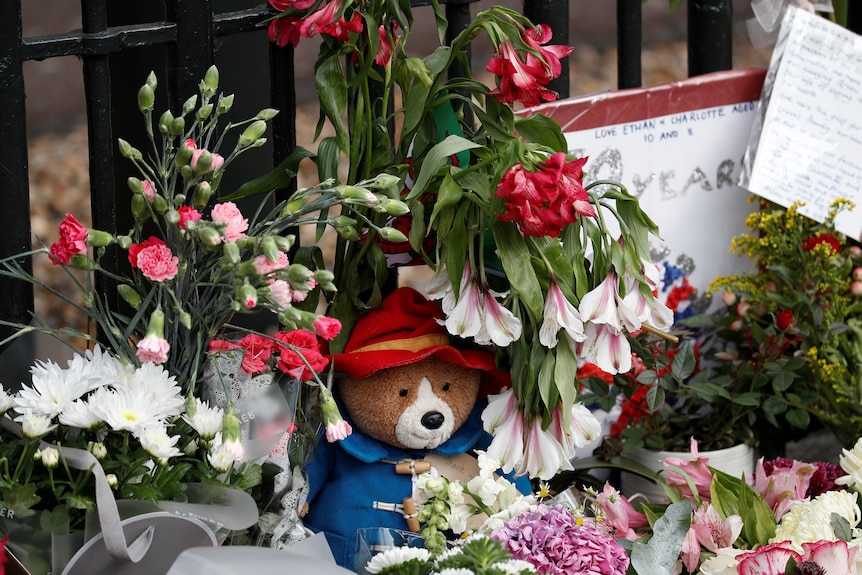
<point x="515" y="566"/>
<point x="456" y="571"/>
<point x="50" y="457"/>
<point x="128" y="409"/>
<point x="5" y="401"/>
<point x="396" y="556"/>
<point x="158" y="443"/>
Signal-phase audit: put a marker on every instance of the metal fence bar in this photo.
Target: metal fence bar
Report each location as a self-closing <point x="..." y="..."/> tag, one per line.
<point x="17" y="298"/>
<point x="710" y="36"/>
<point x="554" y="13"/>
<point x="100" y="134"/>
<point x="192" y="52"/>
<point x="629" y="43"/>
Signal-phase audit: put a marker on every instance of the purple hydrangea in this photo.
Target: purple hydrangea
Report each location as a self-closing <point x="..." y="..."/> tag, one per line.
<point x="551" y="539"/>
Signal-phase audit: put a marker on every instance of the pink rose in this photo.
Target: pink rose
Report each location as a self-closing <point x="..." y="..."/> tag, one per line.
<point x="157" y="262"/>
<point x="153" y="348"/>
<point x="327" y="327"/>
<point x="258" y="350"/>
<point x="263" y="265"/>
<point x="234" y="224"/>
<point x="188" y="214"/>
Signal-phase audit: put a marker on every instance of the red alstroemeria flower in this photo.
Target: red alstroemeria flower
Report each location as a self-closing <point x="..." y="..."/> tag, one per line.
<point x="384" y="49"/>
<point x="814" y="241"/>
<point x="543" y="202"/>
<point x="323" y="21"/>
<point x="282" y="5"/>
<point x="285" y="30"/>
<point x="535" y="38"/>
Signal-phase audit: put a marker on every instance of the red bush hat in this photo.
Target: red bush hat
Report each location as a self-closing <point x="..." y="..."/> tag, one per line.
<point x="402" y="331"/>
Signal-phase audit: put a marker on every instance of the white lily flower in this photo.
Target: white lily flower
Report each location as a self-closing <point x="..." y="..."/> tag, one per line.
<point x="465" y="319"/>
<point x="559" y="313"/>
<point x="543" y="455"/>
<point x="599" y="304"/>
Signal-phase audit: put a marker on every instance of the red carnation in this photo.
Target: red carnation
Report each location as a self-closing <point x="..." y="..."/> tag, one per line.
<point x="814" y="241"/>
<point x="784" y="319"/>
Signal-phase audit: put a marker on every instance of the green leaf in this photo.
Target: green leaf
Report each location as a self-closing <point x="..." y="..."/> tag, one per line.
<point x="541" y="128"/>
<point x="438" y="157"/>
<point x="547" y="389"/>
<point x="684" y="363"/>
<point x="841" y="527"/>
<point x="668" y="533"/>
<point x="564" y="375"/>
<point x="20" y="498"/>
<point x="449" y="194"/>
<point x="281" y="177"/>
<point x="655" y="398"/>
<point x="516" y="263"/>
<point x="798" y="418"/>
<point x="331" y="84"/>
<point x="644" y="560"/>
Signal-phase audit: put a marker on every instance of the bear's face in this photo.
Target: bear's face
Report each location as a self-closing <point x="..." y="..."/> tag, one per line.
<point x="416" y="406"/>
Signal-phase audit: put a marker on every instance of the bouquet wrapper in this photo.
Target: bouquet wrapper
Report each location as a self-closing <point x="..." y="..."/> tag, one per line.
<point x="122" y="537"/>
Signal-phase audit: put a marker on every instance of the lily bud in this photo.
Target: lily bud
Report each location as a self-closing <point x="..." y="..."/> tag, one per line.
<point x="385" y="181"/>
<point x="247" y="296"/>
<point x="394" y="207"/>
<point x="231" y="252"/>
<point x="130" y="295"/>
<point x="298" y="273"/>
<point x="139" y="207"/>
<point x="165" y="121"/>
<point x="160" y="204"/>
<point x="357" y="193"/>
<point x="270" y="249"/>
<point x="204" y="112"/>
<point x="225" y="103"/>
<point x="190" y="104"/>
<point x="267" y="114"/>
<point x="392" y="235"/>
<point x="186" y="320"/>
<point x="284" y="243"/>
<point x="99" y="239"/>
<point x="185" y="153"/>
<point x="348" y="234"/>
<point x="146" y="98"/>
<point x="252" y="133"/>
<point x="230" y="428"/>
<point x="203" y="193"/>
<point x="209" y="236"/>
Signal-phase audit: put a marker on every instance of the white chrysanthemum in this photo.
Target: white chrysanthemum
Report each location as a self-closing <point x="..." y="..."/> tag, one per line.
<point x="79" y="414"/>
<point x="5" y="401"/>
<point x="851" y="463"/>
<point x="128" y="409"/>
<point x="515" y="566"/>
<point x="103" y="368"/>
<point x="35" y="425"/>
<point x="155" y="381"/>
<point x="156" y="441"/>
<point x="207" y="421"/>
<point x="809" y="521"/>
<point x="221" y="458"/>
<point x="456" y="571"/>
<point x="49" y="456"/>
<point x="54" y="388"/>
<point x="396" y="556"/>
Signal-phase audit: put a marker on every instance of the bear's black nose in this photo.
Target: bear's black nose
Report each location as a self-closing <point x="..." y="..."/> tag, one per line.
<point x="432" y="420"/>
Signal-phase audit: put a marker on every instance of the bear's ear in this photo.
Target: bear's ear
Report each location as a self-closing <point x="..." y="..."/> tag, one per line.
<point x="374" y="404"/>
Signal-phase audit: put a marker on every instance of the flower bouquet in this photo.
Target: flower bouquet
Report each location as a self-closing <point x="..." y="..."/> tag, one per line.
<point x="526" y="254"/>
<point x="792" y="324"/>
<point x="190" y="262"/>
<point x="789" y="516"/>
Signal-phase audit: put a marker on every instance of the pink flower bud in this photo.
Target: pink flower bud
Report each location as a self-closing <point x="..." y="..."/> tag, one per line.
<point x="857" y="274"/>
<point x="856" y="288"/>
<point x="735" y="325"/>
<point x="729" y="298"/>
<point x="742" y="308"/>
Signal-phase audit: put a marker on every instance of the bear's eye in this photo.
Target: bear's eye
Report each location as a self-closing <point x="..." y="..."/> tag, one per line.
<point x="403" y="393"/>
<point x="446" y="386"/>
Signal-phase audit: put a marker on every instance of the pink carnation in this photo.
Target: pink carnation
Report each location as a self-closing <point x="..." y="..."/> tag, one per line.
<point x="149" y="190"/>
<point x="73" y="241"/>
<point x="157" y="262"/>
<point x="281" y="293"/>
<point x="263" y="265"/>
<point x="188" y="214"/>
<point x="258" y="350"/>
<point x="235" y="225"/>
<point x="153" y="348"/>
<point x="327" y="327"/>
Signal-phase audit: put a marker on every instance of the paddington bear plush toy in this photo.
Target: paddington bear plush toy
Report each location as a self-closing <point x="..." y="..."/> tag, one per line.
<point x="408" y="393"/>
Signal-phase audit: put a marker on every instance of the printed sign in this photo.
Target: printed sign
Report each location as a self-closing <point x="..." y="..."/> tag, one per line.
<point x="678" y="147"/>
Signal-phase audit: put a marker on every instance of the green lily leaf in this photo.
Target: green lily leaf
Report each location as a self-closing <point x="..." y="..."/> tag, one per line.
<point x="281" y="177"/>
<point x="437" y="157"/>
<point x="541" y="128"/>
<point x="516" y="263"/>
<point x="331" y="84"/>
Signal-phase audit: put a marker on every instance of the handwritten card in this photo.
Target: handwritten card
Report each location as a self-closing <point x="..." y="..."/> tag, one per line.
<point x="678" y="147"/>
<point x="806" y="142"/>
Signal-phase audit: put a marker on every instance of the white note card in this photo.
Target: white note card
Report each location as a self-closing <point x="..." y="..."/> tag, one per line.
<point x="806" y="144"/>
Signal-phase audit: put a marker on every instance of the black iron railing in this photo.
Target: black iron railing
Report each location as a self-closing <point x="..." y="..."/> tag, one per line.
<point x="189" y="31"/>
